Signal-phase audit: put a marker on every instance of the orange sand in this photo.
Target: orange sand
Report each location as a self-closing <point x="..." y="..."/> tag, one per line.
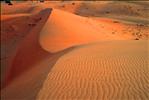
<point x="66" y="50"/>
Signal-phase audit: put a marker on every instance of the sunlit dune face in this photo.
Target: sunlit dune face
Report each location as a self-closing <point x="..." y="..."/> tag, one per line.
<point x="63" y="30"/>
<point x="74" y="49"/>
<point x="59" y="33"/>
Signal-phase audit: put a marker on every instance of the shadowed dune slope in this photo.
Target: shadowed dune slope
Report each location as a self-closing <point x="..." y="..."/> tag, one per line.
<point x="114" y="70"/>
<point x="29" y="51"/>
<point x="57" y="55"/>
<point x="27" y="85"/>
<point x="49" y="31"/>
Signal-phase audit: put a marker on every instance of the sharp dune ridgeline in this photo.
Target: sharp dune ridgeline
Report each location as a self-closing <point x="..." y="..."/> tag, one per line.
<point x="75" y="50"/>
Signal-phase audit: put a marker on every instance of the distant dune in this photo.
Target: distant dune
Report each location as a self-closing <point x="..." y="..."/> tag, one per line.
<point x="65" y="50"/>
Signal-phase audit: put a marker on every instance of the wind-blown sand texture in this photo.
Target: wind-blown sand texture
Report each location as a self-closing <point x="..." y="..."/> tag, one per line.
<point x="75" y="50"/>
<point x="100" y="71"/>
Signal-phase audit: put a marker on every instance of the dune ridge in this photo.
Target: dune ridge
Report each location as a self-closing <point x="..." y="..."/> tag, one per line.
<point x="28" y="45"/>
<point x="57" y="33"/>
<point x="57" y="53"/>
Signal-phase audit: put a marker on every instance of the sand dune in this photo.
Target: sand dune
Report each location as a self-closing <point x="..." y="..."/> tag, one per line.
<point x="63" y="50"/>
<point x="113" y="8"/>
<point x="88" y="72"/>
<point x="91" y="72"/>
<point x="130" y="11"/>
<point x="27" y="84"/>
<point x="20" y="61"/>
<point x="57" y="33"/>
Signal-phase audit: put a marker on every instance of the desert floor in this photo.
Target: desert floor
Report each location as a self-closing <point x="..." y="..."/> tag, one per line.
<point x="75" y="50"/>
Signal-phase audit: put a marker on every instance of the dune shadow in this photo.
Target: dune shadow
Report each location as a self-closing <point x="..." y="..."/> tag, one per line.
<point x="13" y="30"/>
<point x="33" y="79"/>
<point x="29" y="51"/>
<point x="30" y="66"/>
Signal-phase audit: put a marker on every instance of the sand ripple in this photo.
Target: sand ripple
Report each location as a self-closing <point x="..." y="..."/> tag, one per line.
<point x="95" y="72"/>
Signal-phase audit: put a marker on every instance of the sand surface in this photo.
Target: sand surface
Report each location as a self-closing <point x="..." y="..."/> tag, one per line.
<point x="100" y="71"/>
<point x="82" y="50"/>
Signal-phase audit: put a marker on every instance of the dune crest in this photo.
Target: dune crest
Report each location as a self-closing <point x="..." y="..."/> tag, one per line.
<point x="82" y="50"/>
<point x="57" y="33"/>
<point x="63" y="30"/>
